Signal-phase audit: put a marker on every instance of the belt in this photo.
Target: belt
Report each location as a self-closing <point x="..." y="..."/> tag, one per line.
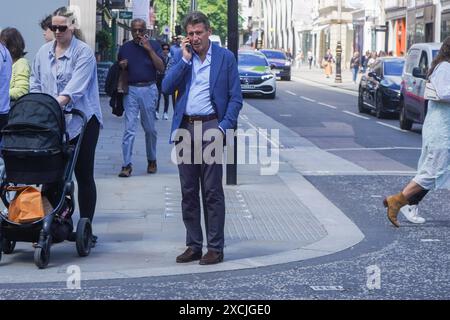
<point x="192" y="119"/>
<point x="142" y="84"/>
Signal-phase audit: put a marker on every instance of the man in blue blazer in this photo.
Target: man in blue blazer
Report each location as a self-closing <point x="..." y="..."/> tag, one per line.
<point x="209" y="94"/>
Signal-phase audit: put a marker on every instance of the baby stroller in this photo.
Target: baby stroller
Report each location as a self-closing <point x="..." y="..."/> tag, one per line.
<point x="36" y="151"/>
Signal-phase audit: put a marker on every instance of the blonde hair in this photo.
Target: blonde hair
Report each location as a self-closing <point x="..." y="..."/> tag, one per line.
<point x="68" y="13"/>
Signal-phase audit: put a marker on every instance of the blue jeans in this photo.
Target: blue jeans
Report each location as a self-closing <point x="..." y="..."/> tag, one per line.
<point x="140" y="100"/>
<point x="355" y="73"/>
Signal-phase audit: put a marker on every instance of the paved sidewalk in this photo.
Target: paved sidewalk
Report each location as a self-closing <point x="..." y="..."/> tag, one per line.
<point x="270" y="219"/>
<point x="318" y="75"/>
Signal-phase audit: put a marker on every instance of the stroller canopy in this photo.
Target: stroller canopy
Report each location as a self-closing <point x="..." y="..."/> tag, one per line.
<point x="36" y="123"/>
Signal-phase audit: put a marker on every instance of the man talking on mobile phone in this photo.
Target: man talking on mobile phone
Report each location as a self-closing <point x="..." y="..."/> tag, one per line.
<point x="142" y="58"/>
<point x="209" y="100"/>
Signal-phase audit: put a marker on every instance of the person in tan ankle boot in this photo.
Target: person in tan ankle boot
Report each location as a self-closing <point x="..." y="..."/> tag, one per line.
<point x="434" y="164"/>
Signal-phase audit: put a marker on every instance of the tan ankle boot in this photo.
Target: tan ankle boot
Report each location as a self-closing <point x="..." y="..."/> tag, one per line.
<point x="393" y="204"/>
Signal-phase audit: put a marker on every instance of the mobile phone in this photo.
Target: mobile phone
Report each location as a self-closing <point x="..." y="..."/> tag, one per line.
<point x="141" y="43"/>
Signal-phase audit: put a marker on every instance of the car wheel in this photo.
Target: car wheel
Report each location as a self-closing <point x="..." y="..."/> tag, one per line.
<point x="288" y="78"/>
<point x="405" y="123"/>
<point x="380" y="107"/>
<point x="361" y="107"/>
<point x="272" y="95"/>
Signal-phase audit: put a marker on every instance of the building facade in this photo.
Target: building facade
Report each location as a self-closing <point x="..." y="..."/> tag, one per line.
<point x="396" y="22"/>
<point x="333" y="23"/>
<point x="271" y="24"/>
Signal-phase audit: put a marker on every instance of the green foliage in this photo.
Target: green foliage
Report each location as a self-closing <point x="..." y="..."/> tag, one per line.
<point x="216" y="10"/>
<point x="218" y="16"/>
<point x="104" y="40"/>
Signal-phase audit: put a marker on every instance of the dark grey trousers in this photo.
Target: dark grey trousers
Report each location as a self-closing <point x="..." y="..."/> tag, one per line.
<point x="206" y="178"/>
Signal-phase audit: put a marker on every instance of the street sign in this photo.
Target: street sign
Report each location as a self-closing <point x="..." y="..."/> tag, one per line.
<point x="381" y="28"/>
<point x="166" y="30"/>
<point x="127" y="15"/>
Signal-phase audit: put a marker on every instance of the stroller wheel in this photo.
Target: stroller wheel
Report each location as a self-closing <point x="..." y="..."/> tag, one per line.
<point x="42" y="253"/>
<point x="8" y="246"/>
<point x="84" y="237"/>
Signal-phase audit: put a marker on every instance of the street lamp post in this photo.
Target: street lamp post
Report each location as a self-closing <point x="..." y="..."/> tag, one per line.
<point x="338" y="78"/>
<point x="233" y="46"/>
<point x="193" y="5"/>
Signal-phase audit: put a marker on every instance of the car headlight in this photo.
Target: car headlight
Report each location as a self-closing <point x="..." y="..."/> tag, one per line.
<point x="288" y="64"/>
<point x="267" y="76"/>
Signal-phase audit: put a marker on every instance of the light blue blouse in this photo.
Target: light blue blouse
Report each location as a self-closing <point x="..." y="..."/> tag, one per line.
<point x="74" y="75"/>
<point x="5" y="78"/>
<point x="434" y="162"/>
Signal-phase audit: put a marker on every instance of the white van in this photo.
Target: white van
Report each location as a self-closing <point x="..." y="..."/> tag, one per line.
<point x="413" y="107"/>
<point x="215" y="39"/>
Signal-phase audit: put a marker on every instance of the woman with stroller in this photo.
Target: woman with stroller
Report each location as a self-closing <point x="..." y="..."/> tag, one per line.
<point x="66" y="69"/>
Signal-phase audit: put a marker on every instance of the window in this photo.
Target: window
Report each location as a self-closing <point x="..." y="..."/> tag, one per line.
<point x="252" y="60"/>
<point x="393" y="68"/>
<point x="423" y="63"/>
<point x="274" y="54"/>
<point x="411" y="60"/>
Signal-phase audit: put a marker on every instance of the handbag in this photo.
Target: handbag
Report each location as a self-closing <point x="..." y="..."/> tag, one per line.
<point x="430" y="92"/>
<point x="27" y="205"/>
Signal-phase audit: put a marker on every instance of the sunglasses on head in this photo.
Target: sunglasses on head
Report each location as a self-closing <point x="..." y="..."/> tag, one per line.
<point x="53" y="28"/>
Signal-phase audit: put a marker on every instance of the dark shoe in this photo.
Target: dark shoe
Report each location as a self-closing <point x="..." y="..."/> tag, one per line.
<point x="211" y="257"/>
<point x="152" y="167"/>
<point x="188" y="256"/>
<point x="126" y="171"/>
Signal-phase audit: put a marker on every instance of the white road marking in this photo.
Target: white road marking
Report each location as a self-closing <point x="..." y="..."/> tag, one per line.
<point x="391" y="126"/>
<point x="355" y="115"/>
<point x="307" y="99"/>
<point x="328" y="87"/>
<point x="285" y="115"/>
<point x="273" y="143"/>
<point x="327" y="288"/>
<point x="373" y="149"/>
<point x="430" y="240"/>
<point x="327" y="105"/>
<point x="291" y="93"/>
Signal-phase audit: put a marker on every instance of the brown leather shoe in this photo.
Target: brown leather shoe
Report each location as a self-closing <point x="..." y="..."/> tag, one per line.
<point x="211" y="257"/>
<point x="152" y="167"/>
<point x="126" y="171"/>
<point x="188" y="256"/>
<point x="393" y="204"/>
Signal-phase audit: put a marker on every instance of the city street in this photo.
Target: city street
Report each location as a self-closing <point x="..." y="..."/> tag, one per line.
<point x="351" y="159"/>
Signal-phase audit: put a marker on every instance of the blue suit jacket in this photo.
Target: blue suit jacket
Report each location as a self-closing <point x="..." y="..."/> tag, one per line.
<point x="224" y="87"/>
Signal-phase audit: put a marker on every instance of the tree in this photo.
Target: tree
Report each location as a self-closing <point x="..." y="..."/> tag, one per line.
<point x="217" y="14"/>
<point x="216" y="10"/>
<point x="104" y="41"/>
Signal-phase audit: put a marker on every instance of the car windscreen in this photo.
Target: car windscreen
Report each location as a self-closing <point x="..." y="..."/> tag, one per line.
<point x="393" y="68"/>
<point x="274" y="54"/>
<point x="252" y="60"/>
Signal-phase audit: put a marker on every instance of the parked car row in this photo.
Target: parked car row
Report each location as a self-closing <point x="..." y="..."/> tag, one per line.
<point x="258" y="71"/>
<point x="397" y="85"/>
